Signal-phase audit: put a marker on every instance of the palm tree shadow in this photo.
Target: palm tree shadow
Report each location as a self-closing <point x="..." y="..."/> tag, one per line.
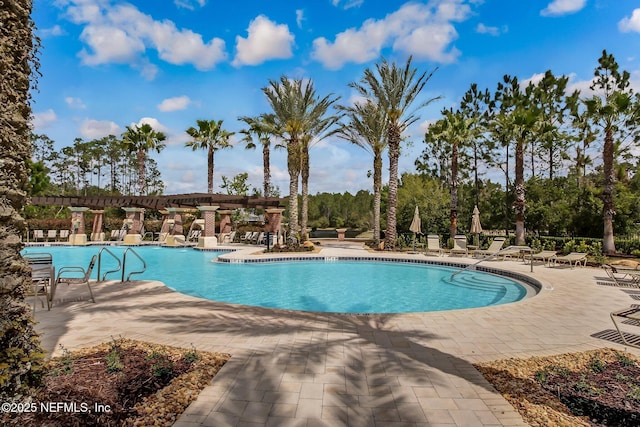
<point x="364" y="364"/>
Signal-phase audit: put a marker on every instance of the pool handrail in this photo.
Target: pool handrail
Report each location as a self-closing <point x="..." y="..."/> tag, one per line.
<point x="124" y="263"/>
<point x="494" y="255"/>
<point x="111" y="271"/>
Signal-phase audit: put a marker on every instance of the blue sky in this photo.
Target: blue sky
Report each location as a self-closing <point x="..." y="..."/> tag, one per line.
<point x="107" y="64"/>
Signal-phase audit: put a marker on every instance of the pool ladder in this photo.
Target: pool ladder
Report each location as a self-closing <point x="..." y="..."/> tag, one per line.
<point x="122" y="264"/>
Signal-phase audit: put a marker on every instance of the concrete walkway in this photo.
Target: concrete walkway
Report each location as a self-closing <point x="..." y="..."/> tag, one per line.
<point x="309" y="369"/>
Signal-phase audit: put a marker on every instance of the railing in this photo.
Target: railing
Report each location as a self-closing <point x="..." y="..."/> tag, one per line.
<point x="496" y="254"/>
<point x="124" y="263"/>
<point x="110" y="271"/>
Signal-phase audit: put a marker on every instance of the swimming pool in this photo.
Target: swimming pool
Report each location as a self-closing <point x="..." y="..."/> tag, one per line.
<point x="338" y="286"/>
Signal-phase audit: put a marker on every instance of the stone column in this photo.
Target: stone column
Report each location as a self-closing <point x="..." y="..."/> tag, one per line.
<point x="78" y="233"/>
<point x="341" y="232"/>
<point x="135" y="219"/>
<point x="208" y="238"/>
<point x="225" y="221"/>
<point x="273" y="222"/>
<point x="176" y="236"/>
<point x="98" y="218"/>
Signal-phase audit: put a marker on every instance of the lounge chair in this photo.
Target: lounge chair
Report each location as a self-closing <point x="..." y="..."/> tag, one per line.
<point x="258" y="239"/>
<point x="42" y="276"/>
<point x="433" y="245"/>
<point x="75" y="276"/>
<point x="632" y="316"/>
<point x="229" y="237"/>
<point x="623" y="275"/>
<point x="573" y="259"/>
<point x="247" y="237"/>
<point x="460" y="245"/>
<point x="545" y="256"/>
<point x="495" y="247"/>
<point x="51" y="235"/>
<point x="38" y="235"/>
<point x="64" y="235"/>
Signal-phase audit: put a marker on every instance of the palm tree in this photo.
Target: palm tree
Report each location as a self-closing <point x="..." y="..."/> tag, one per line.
<point x="141" y="139"/>
<point x="299" y="116"/>
<point x="366" y="128"/>
<point x="616" y="111"/>
<point x="394" y="90"/>
<point x="211" y="137"/>
<point x="518" y="121"/>
<point x="259" y="127"/>
<point x="458" y="131"/>
<point x="21" y="356"/>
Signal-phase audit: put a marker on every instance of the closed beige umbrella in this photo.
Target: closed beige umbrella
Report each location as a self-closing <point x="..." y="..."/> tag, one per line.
<point x="415" y="226"/>
<point x="476" y="227"/>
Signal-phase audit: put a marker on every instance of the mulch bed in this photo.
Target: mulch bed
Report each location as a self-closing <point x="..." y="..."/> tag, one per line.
<point x="594" y="388"/>
<point x="122" y="383"/>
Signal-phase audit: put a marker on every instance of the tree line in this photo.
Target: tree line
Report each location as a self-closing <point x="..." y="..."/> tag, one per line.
<point x="539" y="136"/>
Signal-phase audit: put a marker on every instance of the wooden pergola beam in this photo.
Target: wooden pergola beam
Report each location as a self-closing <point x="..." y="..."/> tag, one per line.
<point x="191" y="200"/>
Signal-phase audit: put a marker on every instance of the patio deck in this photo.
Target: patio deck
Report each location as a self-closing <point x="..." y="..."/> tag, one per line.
<point x="316" y="369"/>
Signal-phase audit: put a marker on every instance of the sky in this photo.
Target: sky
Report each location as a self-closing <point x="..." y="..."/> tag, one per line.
<point x="108" y="64"/>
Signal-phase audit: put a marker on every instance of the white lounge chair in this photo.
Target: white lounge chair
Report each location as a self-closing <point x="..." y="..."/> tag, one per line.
<point x="493" y="248"/>
<point x="545" y="256"/>
<point x="75" y="276"/>
<point x="42" y="276"/>
<point x="632" y="315"/>
<point x="229" y="237"/>
<point x="623" y="275"/>
<point x="38" y="235"/>
<point x="51" y="235"/>
<point x="247" y="237"/>
<point x="433" y="245"/>
<point x="573" y="259"/>
<point x="64" y="235"/>
<point x="460" y="245"/>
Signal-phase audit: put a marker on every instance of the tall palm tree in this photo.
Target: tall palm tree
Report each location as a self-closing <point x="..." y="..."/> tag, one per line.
<point x="21" y="356"/>
<point x="366" y="128"/>
<point x="299" y="116"/>
<point x="458" y="131"/>
<point x="141" y="139"/>
<point x="616" y="111"/>
<point x="521" y="121"/>
<point x="394" y="89"/>
<point x="260" y="128"/>
<point x="211" y="137"/>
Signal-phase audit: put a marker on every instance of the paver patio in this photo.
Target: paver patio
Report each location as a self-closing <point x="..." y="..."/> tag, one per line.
<point x="317" y="369"/>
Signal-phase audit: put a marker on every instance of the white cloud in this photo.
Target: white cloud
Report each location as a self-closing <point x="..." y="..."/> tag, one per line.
<point x="348" y="4"/>
<point x="155" y="124"/>
<point x="54" y="31"/>
<point x="535" y="79"/>
<point x="75" y="103"/>
<point x="174" y="104"/>
<point x="109" y="44"/>
<point x="93" y="129"/>
<point x="563" y="7"/>
<point x="630" y="24"/>
<point x="492" y="31"/>
<point x="189" y="4"/>
<point x="122" y="34"/>
<point x="266" y="40"/>
<point x="423" y="30"/>
<point x="44" y="119"/>
<point x="299" y="17"/>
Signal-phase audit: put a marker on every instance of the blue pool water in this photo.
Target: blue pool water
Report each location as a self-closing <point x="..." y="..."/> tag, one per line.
<point x="342" y="286"/>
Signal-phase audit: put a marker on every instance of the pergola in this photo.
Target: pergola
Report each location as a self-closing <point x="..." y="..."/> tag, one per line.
<point x="192" y="200"/>
<point x="171" y="206"/>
